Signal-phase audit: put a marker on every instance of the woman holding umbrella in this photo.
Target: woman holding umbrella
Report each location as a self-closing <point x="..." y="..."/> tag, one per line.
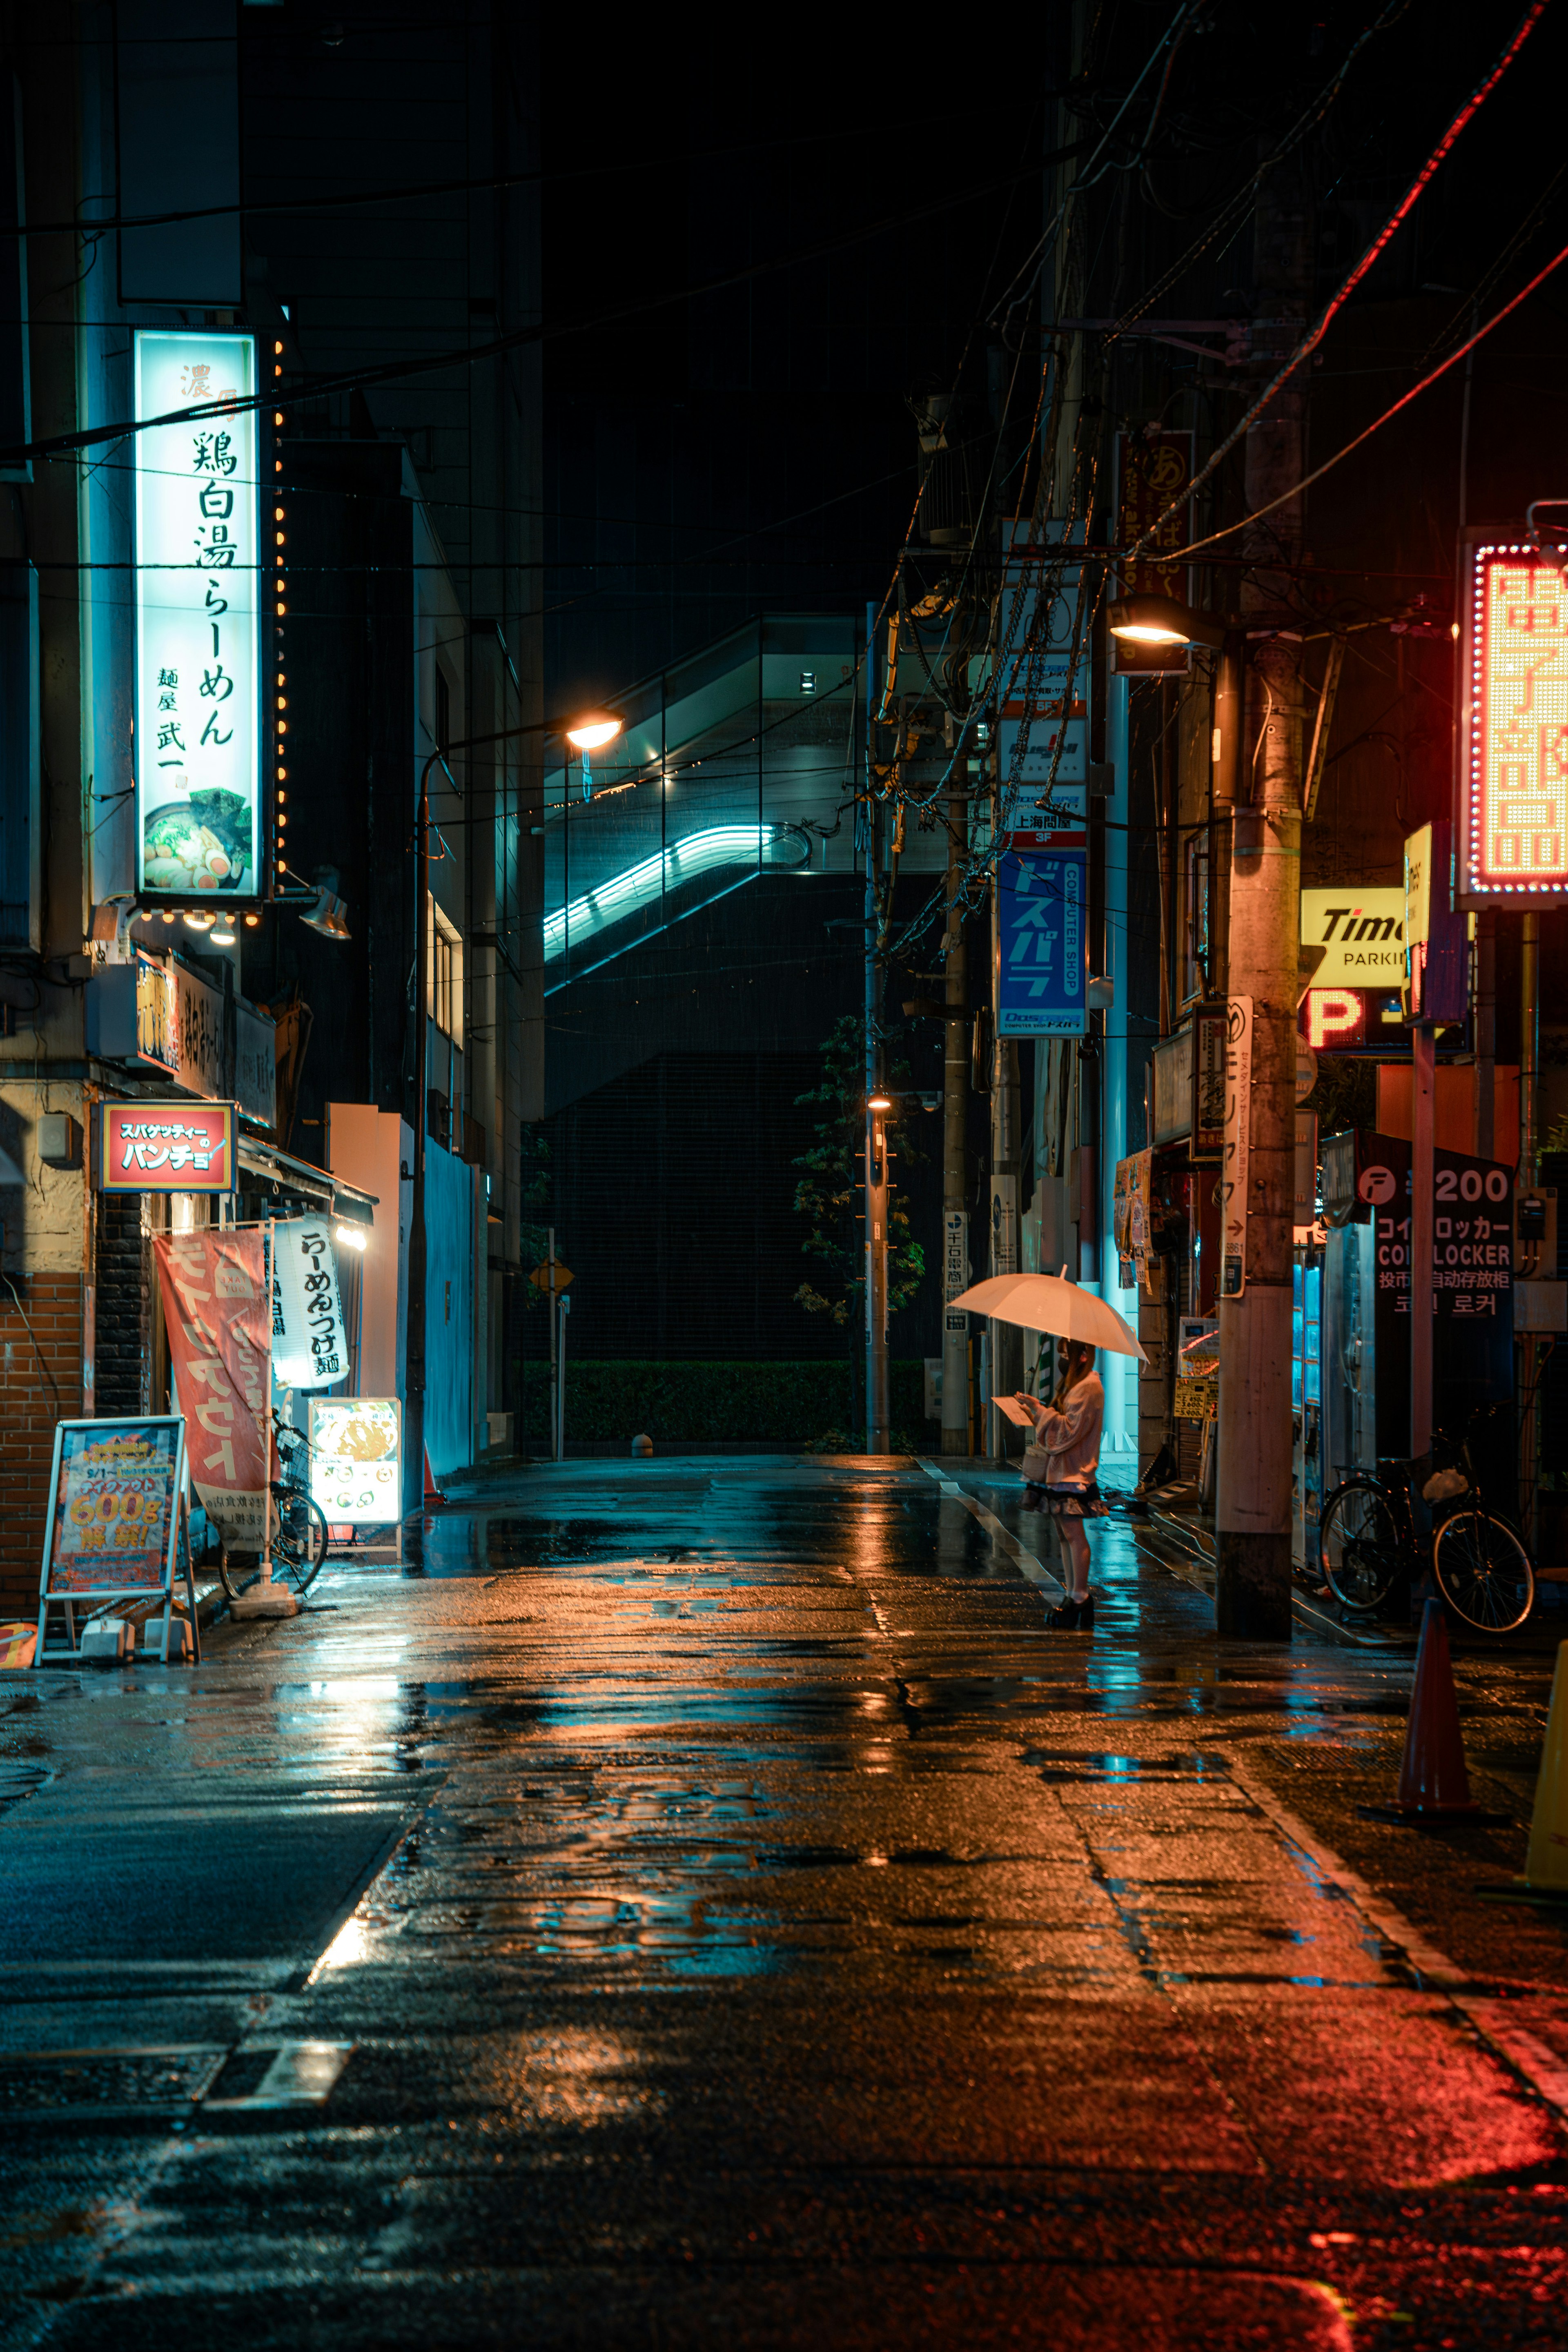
<point x="1066" y="1446"/>
<point x="1060" y="1469"/>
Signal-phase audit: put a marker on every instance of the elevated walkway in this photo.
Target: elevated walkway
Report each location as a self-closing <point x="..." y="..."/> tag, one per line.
<point x="742" y="759"/>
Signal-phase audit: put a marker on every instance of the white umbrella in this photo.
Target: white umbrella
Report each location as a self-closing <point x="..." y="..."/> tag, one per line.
<point x="1047" y="1302"/>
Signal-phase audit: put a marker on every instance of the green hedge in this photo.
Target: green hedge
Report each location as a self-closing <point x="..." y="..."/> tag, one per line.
<point x="765" y="1405"/>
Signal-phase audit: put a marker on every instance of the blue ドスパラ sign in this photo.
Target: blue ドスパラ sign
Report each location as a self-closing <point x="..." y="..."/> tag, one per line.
<point x="1041" y="884"/>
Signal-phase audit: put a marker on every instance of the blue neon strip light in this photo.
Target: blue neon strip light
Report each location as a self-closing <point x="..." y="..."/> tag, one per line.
<point x="637" y="887"/>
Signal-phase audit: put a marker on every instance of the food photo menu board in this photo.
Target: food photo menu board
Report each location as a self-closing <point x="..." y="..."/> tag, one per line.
<point x="356" y="1460"/>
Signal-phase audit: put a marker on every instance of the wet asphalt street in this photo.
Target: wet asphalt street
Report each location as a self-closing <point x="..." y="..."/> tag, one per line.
<point x="702" y="1905"/>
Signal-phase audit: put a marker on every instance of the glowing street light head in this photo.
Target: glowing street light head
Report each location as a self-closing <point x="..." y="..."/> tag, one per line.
<point x="1146" y="633"/>
<point x="879" y="1101"/>
<point x="1152" y="620"/>
<point x="591" y="733"/>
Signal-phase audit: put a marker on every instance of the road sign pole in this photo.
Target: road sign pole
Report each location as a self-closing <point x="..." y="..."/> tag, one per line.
<point x="554" y="1417"/>
<point x="566" y="1309"/>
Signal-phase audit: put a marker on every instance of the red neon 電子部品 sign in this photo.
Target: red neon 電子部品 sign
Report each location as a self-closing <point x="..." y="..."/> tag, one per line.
<point x="1513" y="785"/>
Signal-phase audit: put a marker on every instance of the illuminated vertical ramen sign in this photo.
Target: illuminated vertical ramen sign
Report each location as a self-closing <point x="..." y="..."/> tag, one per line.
<point x="198" y="575"/>
<point x="1511" y="822"/>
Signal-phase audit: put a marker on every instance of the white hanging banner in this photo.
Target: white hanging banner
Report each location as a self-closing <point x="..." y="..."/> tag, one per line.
<point x="198" y="597"/>
<point x="310" y="1345"/>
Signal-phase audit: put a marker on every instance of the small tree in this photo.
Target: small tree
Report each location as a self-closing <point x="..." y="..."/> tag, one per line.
<point x="831" y="1187"/>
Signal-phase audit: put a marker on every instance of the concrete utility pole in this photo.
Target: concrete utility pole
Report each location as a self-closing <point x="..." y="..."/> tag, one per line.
<point x="879" y="1433"/>
<point x="1529" y="1171"/>
<point x="419" y="1246"/>
<point x="1004" y="1351"/>
<point x="954" y="1122"/>
<point x="1252" y="1592"/>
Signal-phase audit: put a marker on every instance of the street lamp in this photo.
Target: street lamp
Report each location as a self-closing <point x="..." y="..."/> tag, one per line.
<point x="879" y="1101"/>
<point x="593" y="730"/>
<point x="1153" y="620"/>
<point x="591" y="733"/>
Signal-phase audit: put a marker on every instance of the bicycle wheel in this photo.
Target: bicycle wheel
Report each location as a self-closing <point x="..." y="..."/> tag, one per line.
<point x="1483" y="1571"/>
<point x="299" y="1535"/>
<point x="231" y="1575"/>
<point x="1360" y="1546"/>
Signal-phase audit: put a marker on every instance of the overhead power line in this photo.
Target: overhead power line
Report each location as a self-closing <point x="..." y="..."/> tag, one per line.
<point x="491" y="184"/>
<point x="1235" y="206"/>
<point x="464" y="355"/>
<point x="1337" y="300"/>
<point x="1179" y="554"/>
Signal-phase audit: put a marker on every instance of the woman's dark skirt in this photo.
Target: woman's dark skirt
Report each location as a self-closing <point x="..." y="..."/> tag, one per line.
<point x="1067" y="1502"/>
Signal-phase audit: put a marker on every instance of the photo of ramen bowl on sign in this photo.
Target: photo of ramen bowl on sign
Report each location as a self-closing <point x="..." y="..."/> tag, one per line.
<point x="202" y="843"/>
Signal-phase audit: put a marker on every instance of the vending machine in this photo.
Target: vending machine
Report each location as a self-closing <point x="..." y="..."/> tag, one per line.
<point x="1307" y="1482"/>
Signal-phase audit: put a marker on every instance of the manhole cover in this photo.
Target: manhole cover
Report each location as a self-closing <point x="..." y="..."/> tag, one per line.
<point x="106" y="2082"/>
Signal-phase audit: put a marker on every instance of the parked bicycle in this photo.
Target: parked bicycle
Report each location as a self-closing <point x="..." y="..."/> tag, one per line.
<point x="298" y="1522"/>
<point x="1370" y="1536"/>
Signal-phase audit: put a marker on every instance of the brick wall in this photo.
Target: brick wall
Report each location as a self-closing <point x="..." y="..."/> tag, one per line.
<point x="33" y="1397"/>
<point x="122" y="1309"/>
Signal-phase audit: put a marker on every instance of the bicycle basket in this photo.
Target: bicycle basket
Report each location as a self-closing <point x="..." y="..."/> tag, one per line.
<point x="1444" y="1485"/>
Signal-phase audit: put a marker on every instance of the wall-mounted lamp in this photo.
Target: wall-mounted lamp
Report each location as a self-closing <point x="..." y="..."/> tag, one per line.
<point x="328" y="916"/>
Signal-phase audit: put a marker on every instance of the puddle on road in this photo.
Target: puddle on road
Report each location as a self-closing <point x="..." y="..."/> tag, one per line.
<point x="1073" y="1767"/>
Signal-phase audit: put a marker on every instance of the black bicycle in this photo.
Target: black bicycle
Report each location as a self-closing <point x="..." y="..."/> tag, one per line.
<point x="1370" y="1536"/>
<point x="298" y="1522"/>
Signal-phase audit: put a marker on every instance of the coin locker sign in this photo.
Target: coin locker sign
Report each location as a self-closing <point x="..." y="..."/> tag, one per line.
<point x="198" y="594"/>
<point x="1472" y="1281"/>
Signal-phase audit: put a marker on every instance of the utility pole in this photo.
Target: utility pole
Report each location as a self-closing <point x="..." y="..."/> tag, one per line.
<point x="954" y="1124"/>
<point x="554" y="1368"/>
<point x="1529" y="1147"/>
<point x="878" y="1434"/>
<point x="1423" y="1210"/>
<point x="1252" y="1588"/>
<point x="1005" y="1352"/>
<point x="414" y="1406"/>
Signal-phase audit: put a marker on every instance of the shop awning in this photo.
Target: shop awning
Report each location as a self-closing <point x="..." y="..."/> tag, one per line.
<point x="280" y="1168"/>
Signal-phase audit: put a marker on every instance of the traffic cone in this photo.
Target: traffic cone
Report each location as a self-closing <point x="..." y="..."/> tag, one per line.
<point x="1434" y="1785"/>
<point x="432" y="1492"/>
<point x="1545" y="1876"/>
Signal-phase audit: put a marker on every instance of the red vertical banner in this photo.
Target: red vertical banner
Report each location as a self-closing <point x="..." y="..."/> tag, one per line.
<point x="215" y="1309"/>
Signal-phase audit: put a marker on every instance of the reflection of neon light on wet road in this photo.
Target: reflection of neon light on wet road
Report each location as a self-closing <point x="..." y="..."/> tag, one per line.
<point x="637" y="887"/>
